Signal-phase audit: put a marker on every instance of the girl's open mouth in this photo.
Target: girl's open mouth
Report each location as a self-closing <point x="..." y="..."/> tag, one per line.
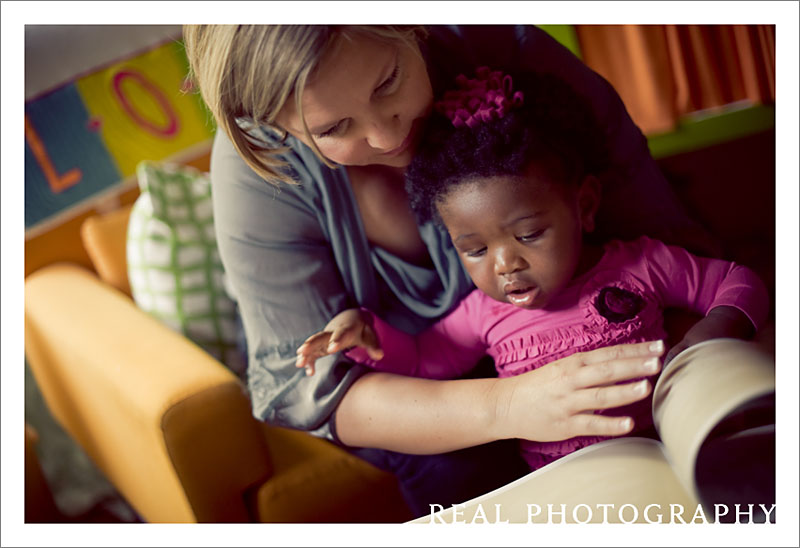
<point x="521" y="296"/>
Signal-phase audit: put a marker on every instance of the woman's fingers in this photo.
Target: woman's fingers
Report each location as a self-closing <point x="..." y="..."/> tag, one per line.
<point x="626" y="351"/>
<point x="609" y="397"/>
<point x="588" y="424"/>
<point x="563" y="395"/>
<point x="614" y="364"/>
<point x="615" y="371"/>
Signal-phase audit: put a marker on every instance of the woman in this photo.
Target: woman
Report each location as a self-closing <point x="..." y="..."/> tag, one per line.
<point x="316" y="127"/>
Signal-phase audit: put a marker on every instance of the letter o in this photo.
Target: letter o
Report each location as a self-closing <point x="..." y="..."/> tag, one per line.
<point x="575" y="513"/>
<point x="635" y="513"/>
<point x="170" y="129"/>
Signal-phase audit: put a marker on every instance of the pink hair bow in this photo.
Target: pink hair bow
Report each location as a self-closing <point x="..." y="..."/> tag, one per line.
<point x="486" y="97"/>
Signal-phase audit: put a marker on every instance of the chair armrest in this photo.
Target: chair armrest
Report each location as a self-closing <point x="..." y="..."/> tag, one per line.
<point x="167" y="424"/>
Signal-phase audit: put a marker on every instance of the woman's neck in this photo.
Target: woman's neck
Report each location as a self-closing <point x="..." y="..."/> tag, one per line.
<point x="387" y="219"/>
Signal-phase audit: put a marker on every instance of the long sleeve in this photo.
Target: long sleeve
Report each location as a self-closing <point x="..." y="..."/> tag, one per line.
<point x="279" y="266"/>
<point x="700" y="284"/>
<point x="446" y="350"/>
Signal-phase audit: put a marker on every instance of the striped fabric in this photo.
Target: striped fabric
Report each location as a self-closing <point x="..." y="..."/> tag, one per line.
<point x="174" y="267"/>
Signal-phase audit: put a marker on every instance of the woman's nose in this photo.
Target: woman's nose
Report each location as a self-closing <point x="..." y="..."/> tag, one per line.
<point x="383" y="132"/>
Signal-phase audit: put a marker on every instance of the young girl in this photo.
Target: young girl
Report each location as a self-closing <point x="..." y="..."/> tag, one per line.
<point x="510" y="168"/>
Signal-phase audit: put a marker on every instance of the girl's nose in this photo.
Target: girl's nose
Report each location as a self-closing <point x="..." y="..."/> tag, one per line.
<point x="507" y="262"/>
<point x="383" y="132"/>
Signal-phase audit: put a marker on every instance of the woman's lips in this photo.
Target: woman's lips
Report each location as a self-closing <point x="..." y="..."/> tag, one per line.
<point x="406" y="142"/>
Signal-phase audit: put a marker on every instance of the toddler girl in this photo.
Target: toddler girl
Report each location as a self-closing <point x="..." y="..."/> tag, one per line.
<point x="510" y="167"/>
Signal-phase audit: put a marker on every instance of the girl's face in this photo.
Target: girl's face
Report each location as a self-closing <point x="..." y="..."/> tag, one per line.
<point x="365" y="103"/>
<point x="520" y="238"/>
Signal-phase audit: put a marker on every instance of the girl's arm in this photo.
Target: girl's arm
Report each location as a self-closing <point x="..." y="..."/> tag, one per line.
<point x="446" y="350"/>
<point x="731" y="298"/>
<point x="721" y="321"/>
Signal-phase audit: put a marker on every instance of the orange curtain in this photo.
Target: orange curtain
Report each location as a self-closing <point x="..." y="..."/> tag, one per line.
<point x="663" y="72"/>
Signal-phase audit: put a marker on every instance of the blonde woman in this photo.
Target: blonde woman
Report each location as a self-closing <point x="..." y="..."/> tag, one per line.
<point x="316" y="125"/>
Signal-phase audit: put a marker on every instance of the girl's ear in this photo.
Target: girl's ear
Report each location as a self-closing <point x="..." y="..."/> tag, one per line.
<point x="589" y="196"/>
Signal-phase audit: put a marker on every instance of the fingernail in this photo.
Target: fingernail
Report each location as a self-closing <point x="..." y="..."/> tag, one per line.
<point x="309" y="371"/>
<point x="657" y="346"/>
<point x="641" y="387"/>
<point x="651" y="365"/>
<point x="626" y="424"/>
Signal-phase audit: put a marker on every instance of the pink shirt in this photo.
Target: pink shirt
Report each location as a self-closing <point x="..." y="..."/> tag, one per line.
<point x="620" y="300"/>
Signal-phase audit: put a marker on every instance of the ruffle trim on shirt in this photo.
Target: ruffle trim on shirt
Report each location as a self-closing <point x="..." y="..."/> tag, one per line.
<point x="538" y="454"/>
<point x="597" y="330"/>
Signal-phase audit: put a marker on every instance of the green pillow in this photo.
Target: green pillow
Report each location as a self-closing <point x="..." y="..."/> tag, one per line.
<point x="174" y="267"/>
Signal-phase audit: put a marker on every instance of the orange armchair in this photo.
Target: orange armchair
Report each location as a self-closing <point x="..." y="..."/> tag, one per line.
<point x="168" y="425"/>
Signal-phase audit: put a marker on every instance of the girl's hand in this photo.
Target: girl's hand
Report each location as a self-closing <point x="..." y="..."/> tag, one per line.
<point x="557" y="401"/>
<point x="721" y="321"/>
<point x="346" y="329"/>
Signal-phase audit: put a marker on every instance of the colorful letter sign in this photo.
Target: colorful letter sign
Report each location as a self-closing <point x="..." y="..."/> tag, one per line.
<point x="89" y="135"/>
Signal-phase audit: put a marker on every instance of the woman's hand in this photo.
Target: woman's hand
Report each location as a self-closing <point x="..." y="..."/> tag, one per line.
<point x="348" y="328"/>
<point x="721" y="321"/>
<point x="558" y="400"/>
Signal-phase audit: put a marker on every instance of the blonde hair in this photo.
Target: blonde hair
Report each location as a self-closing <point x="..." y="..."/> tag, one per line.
<point x="246" y="74"/>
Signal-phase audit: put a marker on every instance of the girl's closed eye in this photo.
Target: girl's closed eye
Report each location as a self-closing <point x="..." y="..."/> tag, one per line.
<point x="531" y="236"/>
<point x="474" y="252"/>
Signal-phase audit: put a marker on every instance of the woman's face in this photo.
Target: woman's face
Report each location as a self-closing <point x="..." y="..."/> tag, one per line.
<point x="520" y="238"/>
<point x="365" y="103"/>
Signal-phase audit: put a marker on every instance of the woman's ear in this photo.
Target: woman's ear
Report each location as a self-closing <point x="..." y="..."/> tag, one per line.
<point x="589" y="196"/>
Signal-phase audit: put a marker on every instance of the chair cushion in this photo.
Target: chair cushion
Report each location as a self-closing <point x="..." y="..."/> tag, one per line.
<point x="314" y="481"/>
<point x="174" y="269"/>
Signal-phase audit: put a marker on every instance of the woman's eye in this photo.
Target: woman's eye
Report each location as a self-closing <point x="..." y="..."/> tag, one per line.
<point x="385" y="87"/>
<point x="333" y="130"/>
<point x="532" y="236"/>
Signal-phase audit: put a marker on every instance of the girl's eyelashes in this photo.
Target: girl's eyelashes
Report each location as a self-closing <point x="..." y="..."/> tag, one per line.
<point x="475" y="252"/>
<point x="532" y="236"/>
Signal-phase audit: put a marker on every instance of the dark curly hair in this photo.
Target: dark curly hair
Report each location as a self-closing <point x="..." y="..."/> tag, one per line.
<point x="555" y="126"/>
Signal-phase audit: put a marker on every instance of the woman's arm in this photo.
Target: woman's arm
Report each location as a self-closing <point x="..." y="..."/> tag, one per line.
<point x="554" y="402"/>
